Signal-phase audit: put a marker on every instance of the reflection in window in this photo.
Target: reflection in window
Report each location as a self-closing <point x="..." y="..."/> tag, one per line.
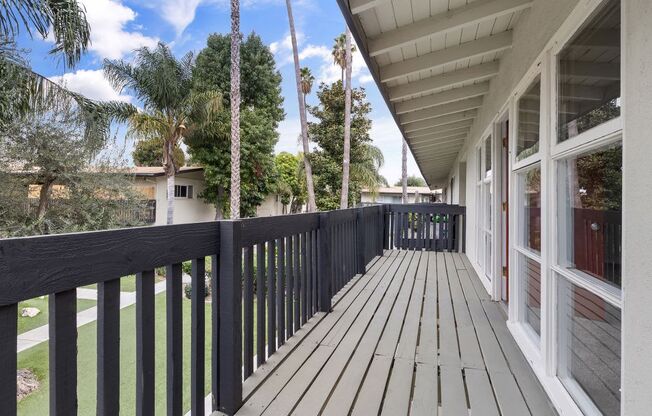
<point x="487" y="156"/>
<point x="529" y="106"/>
<point x="590" y="213"/>
<point x="530" y="277"/>
<point x="589" y="74"/>
<point x="589" y="349"/>
<point x="530" y="190"/>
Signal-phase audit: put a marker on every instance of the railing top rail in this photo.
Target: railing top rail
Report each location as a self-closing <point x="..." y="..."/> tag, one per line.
<point x="260" y="229"/>
<point x="37" y="266"/>
<point x="342" y="215"/>
<point x="428" y="208"/>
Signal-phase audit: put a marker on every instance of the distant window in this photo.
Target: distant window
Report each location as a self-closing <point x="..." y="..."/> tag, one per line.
<point x="183" y="191"/>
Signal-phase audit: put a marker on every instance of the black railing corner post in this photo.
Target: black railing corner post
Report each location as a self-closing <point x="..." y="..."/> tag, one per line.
<point x="230" y="319"/>
<point x="360" y="243"/>
<point x="324" y="274"/>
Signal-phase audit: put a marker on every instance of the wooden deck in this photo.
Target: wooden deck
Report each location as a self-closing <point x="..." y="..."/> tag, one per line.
<point x="417" y="334"/>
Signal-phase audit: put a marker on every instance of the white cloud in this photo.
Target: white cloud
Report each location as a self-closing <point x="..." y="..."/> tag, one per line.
<point x="91" y="84"/>
<point x="110" y="37"/>
<point x="366" y="79"/>
<point x="179" y="13"/>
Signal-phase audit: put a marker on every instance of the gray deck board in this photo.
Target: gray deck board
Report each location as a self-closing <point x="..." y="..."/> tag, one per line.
<point x="415" y="335"/>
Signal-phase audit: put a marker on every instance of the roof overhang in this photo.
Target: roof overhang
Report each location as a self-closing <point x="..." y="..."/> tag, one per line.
<point x="433" y="65"/>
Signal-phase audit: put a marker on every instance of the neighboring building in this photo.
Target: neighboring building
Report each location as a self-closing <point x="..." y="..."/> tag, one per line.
<point x="393" y="194"/>
<point x="535" y="115"/>
<point x="188" y="206"/>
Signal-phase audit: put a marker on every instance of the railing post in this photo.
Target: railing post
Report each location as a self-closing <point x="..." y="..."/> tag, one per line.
<point x="386" y="227"/>
<point x="324" y="259"/>
<point x="360" y="243"/>
<point x="230" y="309"/>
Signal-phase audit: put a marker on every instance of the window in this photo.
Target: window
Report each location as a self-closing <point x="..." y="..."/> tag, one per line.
<point x="183" y="191"/>
<point x="589" y="349"/>
<point x="529" y="184"/>
<point x="487" y="157"/>
<point x="529" y="271"/>
<point x="529" y="116"/>
<point x="590" y="213"/>
<point x="588" y="75"/>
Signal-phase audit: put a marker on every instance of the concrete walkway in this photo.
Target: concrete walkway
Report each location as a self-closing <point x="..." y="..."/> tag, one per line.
<point x="41" y="334"/>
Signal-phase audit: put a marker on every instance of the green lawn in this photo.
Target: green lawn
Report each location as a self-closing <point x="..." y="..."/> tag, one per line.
<point x="128" y="283"/>
<point x="36" y="359"/>
<point x="26" y="324"/>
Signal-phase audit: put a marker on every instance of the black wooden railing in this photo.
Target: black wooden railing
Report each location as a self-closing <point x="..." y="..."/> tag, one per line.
<point x="431" y="227"/>
<point x="285" y="268"/>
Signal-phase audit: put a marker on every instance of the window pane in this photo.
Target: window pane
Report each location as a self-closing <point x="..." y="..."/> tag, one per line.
<point x="589" y="348"/>
<point x="589" y="74"/>
<point x="530" y="208"/>
<point x="530" y="276"/>
<point x="529" y="106"/>
<point x="590" y="213"/>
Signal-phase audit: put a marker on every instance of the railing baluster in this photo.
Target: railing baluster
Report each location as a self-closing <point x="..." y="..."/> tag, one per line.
<point x="271" y="297"/>
<point x="248" y="301"/>
<point x="108" y="347"/>
<point x="174" y="339"/>
<point x="280" y="291"/>
<point x="230" y="315"/>
<point x="63" y="353"/>
<point x="297" y="284"/>
<point x="309" y="273"/>
<point x="260" y="304"/>
<point x="145" y="343"/>
<point x="440" y="239"/>
<point x="289" y="288"/>
<point x="8" y="364"/>
<point x="197" y="344"/>
<point x="304" y="278"/>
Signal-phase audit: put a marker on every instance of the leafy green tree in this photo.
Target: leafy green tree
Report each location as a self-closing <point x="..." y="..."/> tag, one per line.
<point x="260" y="113"/>
<point x="412" y="180"/>
<point x="23" y="91"/>
<point x="52" y="187"/>
<point x="327" y="132"/>
<point x="291" y="184"/>
<point x="149" y="152"/>
<point x="173" y="108"/>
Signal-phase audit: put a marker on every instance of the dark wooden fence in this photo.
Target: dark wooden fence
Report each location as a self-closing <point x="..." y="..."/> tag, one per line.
<point x="431" y="227"/>
<point x="284" y="268"/>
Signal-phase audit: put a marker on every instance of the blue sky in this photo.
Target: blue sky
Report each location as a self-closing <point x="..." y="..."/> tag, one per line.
<point x="120" y="26"/>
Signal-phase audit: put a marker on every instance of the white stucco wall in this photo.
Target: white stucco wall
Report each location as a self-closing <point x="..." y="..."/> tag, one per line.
<point x="270" y="206"/>
<point x="186" y="210"/>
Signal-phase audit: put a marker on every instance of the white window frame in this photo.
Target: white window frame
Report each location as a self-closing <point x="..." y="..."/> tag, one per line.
<point x="190" y="188"/>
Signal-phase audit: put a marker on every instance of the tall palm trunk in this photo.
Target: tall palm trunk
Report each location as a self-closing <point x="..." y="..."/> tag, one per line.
<point x="344" y="201"/>
<point x="312" y="205"/>
<point x="170" y="171"/>
<point x="404" y="196"/>
<point x="235" y="109"/>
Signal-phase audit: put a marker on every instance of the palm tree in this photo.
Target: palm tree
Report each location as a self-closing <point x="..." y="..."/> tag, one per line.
<point x="312" y="205"/>
<point x="366" y="171"/>
<point x="172" y="108"/>
<point x="235" y="109"/>
<point x="25" y="91"/>
<point x="344" y="200"/>
<point x="307" y="80"/>
<point x="339" y="50"/>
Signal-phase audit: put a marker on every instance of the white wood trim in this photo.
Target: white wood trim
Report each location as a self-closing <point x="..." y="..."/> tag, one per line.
<point x="446" y="80"/>
<point x="442" y="110"/>
<point x="432" y="60"/>
<point x="442" y="98"/>
<point x="440" y="121"/>
<point x="359" y="6"/>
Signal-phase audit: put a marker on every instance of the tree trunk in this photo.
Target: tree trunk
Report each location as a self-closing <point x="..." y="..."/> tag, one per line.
<point x="235" y="109"/>
<point x="404" y="196"/>
<point x="170" y="213"/>
<point x="344" y="201"/>
<point x="44" y="198"/>
<point x="312" y="205"/>
<point x="219" y="213"/>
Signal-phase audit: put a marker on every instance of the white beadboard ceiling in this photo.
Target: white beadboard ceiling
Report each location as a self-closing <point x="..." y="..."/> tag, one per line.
<point x="433" y="60"/>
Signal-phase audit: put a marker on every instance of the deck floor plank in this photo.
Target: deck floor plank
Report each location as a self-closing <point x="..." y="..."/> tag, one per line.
<point x="417" y="334"/>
